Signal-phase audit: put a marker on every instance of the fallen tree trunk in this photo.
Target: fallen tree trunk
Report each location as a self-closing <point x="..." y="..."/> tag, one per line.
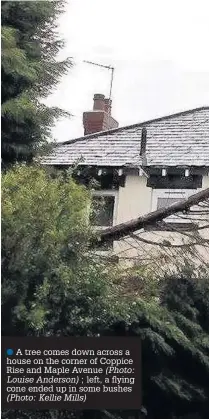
<point x="124" y="229"/>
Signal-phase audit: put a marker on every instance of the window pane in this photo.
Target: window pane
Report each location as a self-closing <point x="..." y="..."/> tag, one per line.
<point x="102" y="214"/>
<point x="175" y="218"/>
<point x="165" y="202"/>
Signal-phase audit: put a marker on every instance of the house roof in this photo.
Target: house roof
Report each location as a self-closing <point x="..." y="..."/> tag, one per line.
<point x="181" y="139"/>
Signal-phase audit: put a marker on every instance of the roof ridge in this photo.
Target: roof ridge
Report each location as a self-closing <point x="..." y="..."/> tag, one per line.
<point x="139" y="124"/>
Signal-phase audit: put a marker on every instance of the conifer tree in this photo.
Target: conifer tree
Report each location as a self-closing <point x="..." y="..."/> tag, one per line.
<point x="30" y="71"/>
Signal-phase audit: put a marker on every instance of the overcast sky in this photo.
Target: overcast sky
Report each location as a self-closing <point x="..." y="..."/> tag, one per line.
<point x="159" y="49"/>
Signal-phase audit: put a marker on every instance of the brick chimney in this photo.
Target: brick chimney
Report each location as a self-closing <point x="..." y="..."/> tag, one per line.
<point x="100" y="119"/>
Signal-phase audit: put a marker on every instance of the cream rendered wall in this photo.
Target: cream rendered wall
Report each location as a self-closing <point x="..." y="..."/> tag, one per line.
<point x="134" y="199"/>
<point x="205" y="182"/>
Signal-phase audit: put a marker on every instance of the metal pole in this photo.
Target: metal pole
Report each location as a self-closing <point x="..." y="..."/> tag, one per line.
<point x="108" y="68"/>
<point x="111" y="82"/>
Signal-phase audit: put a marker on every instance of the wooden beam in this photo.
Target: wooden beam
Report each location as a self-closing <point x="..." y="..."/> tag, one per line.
<point x="121" y="230"/>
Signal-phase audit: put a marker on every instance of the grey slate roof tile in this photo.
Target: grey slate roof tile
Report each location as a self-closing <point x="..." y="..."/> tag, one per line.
<point x="175" y="140"/>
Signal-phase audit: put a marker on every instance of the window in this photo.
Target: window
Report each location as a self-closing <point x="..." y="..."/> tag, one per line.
<point x="166" y="202"/>
<point x="104" y="211"/>
<point x="163" y="198"/>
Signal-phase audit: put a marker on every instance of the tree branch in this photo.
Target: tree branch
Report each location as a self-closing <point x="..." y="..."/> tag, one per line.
<point x="124" y="229"/>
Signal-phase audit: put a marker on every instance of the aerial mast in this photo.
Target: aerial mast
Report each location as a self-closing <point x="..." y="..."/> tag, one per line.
<point x="107" y="67"/>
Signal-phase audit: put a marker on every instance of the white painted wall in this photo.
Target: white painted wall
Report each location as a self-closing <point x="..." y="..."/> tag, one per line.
<point x="205" y="182"/>
<point x="134" y="199"/>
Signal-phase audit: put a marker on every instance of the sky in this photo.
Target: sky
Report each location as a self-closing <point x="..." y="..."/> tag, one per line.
<point x="158" y="48"/>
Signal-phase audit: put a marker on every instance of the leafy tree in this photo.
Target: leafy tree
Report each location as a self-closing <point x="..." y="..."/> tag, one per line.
<point x="50" y="285"/>
<point x="30" y="71"/>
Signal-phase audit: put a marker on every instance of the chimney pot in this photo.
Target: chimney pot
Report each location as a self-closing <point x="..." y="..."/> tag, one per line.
<point x="99" y="102"/>
<point x="108" y="106"/>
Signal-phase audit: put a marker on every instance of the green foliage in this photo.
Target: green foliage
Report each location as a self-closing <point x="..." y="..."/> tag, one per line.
<point x="187" y="298"/>
<point x="30" y="71"/>
<point x="49" y="283"/>
<point x="139" y="281"/>
<point x="174" y="329"/>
